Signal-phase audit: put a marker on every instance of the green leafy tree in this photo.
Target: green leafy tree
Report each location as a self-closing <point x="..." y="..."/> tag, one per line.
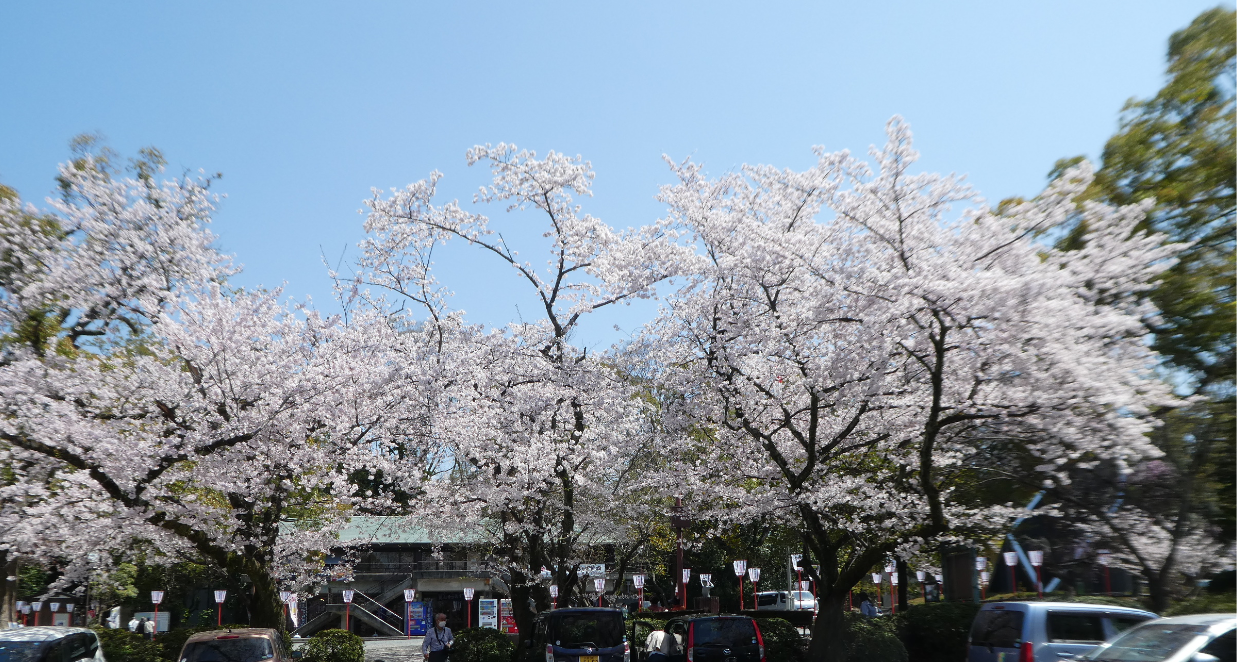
<point x="1175" y="151"/>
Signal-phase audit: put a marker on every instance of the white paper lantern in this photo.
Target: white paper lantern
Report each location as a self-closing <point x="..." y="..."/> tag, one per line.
<point x="1037" y="557"/>
<point x="876" y="578"/>
<point x="921" y="575"/>
<point x="553" y="590"/>
<point x="981" y="562"/>
<point x="1011" y="558"/>
<point x="348" y="593"/>
<point x="893" y="579"/>
<point x="220" y="596"/>
<point x="410" y="594"/>
<point x="687" y="575"/>
<point x="468" y="593"/>
<point x="740" y="567"/>
<point x="156" y="597"/>
<point x="636" y="580"/>
<point x="599" y="585"/>
<point x="753" y="574"/>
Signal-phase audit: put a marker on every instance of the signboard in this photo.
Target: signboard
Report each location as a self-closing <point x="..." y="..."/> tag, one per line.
<point x="60" y="619"/>
<point x="487" y="613"/>
<point x="417" y="618"/>
<point x="506" y="618"/>
<point x="592" y="569"/>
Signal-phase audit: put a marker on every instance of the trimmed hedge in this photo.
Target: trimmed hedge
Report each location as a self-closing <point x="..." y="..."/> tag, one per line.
<point x="783" y="643"/>
<point x="937" y="631"/>
<point x="335" y="645"/>
<point x="482" y="645"/>
<point x="121" y="645"/>
<point x="872" y="639"/>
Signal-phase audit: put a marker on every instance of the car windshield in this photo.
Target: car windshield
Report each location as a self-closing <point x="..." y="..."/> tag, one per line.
<point x="20" y="651"/>
<point x="1149" y="643"/>
<point x="241" y="649"/>
<point x="766" y="598"/>
<point x="801" y="595"/>
<point x="596" y="630"/>
<point x="723" y="632"/>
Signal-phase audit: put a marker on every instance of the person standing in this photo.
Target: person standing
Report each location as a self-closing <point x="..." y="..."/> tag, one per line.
<point x="438" y="641"/>
<point x="133" y="623"/>
<point x="148" y="628"/>
<point x="867" y="608"/>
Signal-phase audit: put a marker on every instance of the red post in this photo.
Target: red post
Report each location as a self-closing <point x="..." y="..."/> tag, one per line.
<point x="741" y="593"/>
<point x="348" y="617"/>
<point x="640" y="606"/>
<point x="219" y="617"/>
<point x="469" y="603"/>
<point x="755" y="590"/>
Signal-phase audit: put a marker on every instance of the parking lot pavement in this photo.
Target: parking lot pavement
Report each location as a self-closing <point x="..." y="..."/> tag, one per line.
<point x="393" y="650"/>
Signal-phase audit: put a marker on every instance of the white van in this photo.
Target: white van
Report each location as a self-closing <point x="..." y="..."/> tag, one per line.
<point x="786" y="601"/>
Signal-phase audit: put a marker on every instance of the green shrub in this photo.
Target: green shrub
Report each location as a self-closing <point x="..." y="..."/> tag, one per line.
<point x="1207" y="603"/>
<point x="481" y="645"/>
<point x="938" y="631"/>
<point x="872" y="639"/>
<point x="334" y="645"/>
<point x="783" y="643"/>
<point x="120" y="645"/>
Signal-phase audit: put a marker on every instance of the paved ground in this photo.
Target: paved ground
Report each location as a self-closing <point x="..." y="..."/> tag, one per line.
<point x="393" y="650"/>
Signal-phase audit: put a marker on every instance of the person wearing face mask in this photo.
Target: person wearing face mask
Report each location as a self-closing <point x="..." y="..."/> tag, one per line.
<point x="437" y="644"/>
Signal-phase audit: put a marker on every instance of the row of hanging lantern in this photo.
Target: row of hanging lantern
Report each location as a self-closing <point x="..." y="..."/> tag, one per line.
<point x="27" y="608"/>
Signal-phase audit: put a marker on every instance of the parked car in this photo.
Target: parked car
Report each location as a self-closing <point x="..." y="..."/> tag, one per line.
<point x="1197" y="638"/>
<point x="51" y="643"/>
<point x="239" y="645"/>
<point x="786" y="600"/>
<point x="1045" y="631"/>
<point x="715" y="639"/>
<point x="588" y="634"/>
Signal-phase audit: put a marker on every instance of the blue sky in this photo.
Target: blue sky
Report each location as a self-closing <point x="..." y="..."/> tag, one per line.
<point x="304" y="106"/>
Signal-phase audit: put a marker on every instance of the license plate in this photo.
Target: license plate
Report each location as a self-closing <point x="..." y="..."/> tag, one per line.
<point x="590" y="658"/>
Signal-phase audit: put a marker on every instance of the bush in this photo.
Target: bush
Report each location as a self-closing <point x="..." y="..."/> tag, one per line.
<point x="1207" y="603"/>
<point x="481" y="645"/>
<point x="783" y="643"/>
<point x="123" y="646"/>
<point x="872" y="639"/>
<point x="938" y="631"/>
<point x="334" y="646"/>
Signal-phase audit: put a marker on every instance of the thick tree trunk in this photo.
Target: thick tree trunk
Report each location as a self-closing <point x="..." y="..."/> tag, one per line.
<point x="523" y="616"/>
<point x="827" y="644"/>
<point x="265" y="608"/>
<point x="8" y="595"/>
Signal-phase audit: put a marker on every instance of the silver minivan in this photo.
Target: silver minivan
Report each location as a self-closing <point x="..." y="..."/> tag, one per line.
<point x="1045" y="631"/>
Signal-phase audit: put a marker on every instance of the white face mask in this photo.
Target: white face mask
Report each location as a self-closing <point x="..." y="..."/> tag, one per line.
<point x="442" y="624"/>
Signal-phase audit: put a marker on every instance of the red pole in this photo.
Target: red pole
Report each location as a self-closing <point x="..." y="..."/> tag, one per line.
<point x="741" y="593"/>
<point x="408" y="619"/>
<point x="469" y="603"/>
<point x="640" y="607"/>
<point x="755" y="590"/>
<point x="348" y="617"/>
<point x="220" y="618"/>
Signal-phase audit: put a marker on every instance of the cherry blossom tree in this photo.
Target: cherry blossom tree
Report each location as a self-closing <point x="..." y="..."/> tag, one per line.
<point x="169" y="412"/>
<point x="854" y="342"/>
<point x="543" y="438"/>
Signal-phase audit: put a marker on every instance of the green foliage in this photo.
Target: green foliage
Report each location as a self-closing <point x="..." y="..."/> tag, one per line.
<point x="938" y="631"/>
<point x="123" y="646"/>
<point x="335" y="645"/>
<point x="481" y="645"/>
<point x="32" y="582"/>
<point x="872" y="639"/>
<point x="783" y="643"/>
<point x="1207" y="603"/>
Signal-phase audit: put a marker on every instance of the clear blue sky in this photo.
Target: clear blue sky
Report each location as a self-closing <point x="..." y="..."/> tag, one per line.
<point x="303" y="106"/>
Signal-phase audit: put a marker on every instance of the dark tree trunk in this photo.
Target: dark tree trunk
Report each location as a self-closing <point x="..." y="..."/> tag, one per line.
<point x="265" y="608"/>
<point x="8" y="596"/>
<point x="827" y="644"/>
<point x="902" y="585"/>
